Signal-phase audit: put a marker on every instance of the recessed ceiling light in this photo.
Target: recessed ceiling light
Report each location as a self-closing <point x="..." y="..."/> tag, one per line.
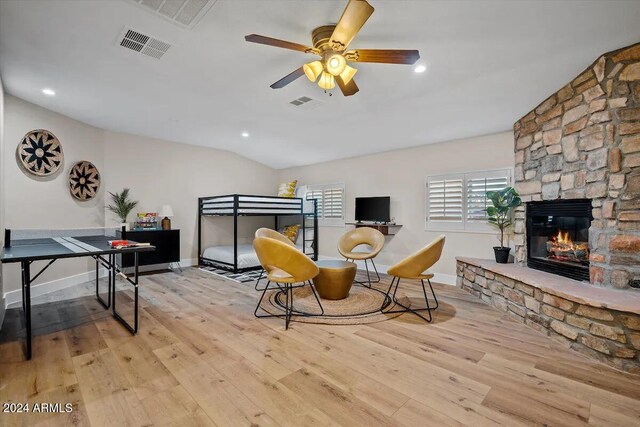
<point x="420" y="68"/>
<point x="48" y="91"/>
<point x="245" y="134"/>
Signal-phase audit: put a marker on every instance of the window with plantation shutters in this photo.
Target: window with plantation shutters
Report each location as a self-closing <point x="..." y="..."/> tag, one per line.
<point x="445" y="198"/>
<point x="330" y="202"/>
<point x="476" y="196"/>
<point x="459" y="201"/>
<point x="316" y="195"/>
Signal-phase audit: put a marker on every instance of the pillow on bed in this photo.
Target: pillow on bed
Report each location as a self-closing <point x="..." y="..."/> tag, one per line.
<point x="288" y="189"/>
<point x="291" y="231"/>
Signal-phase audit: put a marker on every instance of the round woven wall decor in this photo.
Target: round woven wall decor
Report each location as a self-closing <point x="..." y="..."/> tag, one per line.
<point x="40" y="152"/>
<point x="84" y="180"/>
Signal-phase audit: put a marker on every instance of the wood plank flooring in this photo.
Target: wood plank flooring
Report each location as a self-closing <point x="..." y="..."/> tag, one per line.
<point x="201" y="358"/>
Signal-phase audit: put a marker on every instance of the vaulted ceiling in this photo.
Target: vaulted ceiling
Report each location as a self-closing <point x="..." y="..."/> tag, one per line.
<point x="488" y="63"/>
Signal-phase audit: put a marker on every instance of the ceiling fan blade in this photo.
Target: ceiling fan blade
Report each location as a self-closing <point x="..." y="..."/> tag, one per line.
<point x="347" y="89"/>
<point x="383" y="56"/>
<point x="353" y="18"/>
<point x="269" y="41"/>
<point x="288" y="79"/>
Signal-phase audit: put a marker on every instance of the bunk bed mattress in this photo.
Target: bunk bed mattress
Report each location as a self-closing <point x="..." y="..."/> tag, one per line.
<point x="247" y="256"/>
<point x="247" y="205"/>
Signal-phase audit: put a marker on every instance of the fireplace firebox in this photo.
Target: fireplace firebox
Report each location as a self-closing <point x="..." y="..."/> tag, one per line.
<point x="558" y="237"/>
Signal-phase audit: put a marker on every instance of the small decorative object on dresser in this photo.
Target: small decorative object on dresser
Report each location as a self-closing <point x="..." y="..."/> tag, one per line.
<point x="167" y="212"/>
<point x="146" y="221"/>
<point x="40" y="152"/>
<point x="500" y="215"/>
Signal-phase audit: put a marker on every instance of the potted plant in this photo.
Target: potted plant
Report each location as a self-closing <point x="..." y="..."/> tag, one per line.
<point x="122" y="205"/>
<point x="500" y="215"/>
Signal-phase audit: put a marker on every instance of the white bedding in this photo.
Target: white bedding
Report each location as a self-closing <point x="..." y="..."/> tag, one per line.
<point x="246" y="255"/>
<point x="250" y="205"/>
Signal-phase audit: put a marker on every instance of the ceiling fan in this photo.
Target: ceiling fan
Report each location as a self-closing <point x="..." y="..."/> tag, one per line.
<point x="330" y="42"/>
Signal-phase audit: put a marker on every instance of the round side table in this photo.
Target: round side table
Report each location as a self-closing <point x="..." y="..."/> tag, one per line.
<point x="334" y="279"/>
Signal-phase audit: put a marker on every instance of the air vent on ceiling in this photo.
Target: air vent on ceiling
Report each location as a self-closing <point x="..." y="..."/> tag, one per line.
<point x="143" y="43"/>
<point x="300" y="101"/>
<point x="185" y="13"/>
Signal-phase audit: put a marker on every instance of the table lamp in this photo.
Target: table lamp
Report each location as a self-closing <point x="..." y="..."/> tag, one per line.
<point x="167" y="212"/>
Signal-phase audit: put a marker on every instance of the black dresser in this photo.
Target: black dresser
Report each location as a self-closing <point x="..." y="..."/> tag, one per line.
<point x="167" y="243"/>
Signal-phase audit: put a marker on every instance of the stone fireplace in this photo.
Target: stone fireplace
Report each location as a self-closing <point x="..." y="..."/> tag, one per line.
<point x="577" y="169"/>
<point x="558" y="237"/>
<point x="583" y="144"/>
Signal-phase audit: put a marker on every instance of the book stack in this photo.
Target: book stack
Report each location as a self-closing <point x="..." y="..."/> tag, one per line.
<point x="146" y="221"/>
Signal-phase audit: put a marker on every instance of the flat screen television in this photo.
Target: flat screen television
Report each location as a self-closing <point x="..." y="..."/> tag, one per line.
<point x="373" y="209"/>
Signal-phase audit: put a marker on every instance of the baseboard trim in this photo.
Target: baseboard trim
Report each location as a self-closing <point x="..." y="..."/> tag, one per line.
<point x="15" y="296"/>
<point x="445" y="279"/>
<point x="188" y="262"/>
<point x="183" y="263"/>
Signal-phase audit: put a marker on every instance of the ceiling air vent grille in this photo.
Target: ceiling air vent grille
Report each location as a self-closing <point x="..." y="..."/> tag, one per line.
<point x="142" y="43"/>
<point x="185" y="13"/>
<point x="300" y="101"/>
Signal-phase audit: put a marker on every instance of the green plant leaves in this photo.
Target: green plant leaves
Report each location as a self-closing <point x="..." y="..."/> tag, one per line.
<point x="503" y="202"/>
<point x="122" y="205"/>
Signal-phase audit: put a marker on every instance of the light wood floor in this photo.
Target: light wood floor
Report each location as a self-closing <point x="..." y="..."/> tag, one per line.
<point x="201" y="358"/>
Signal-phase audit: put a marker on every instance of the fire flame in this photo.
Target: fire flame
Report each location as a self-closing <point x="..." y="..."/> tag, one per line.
<point x="562" y="247"/>
<point x="563" y="238"/>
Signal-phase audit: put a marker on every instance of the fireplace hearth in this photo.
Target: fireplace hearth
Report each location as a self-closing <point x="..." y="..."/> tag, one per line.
<point x="558" y="237"/>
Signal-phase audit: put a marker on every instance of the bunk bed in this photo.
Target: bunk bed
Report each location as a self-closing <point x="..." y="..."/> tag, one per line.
<point x="237" y="257"/>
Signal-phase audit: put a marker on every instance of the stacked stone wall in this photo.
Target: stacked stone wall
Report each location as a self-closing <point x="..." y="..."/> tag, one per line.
<point x="610" y="336"/>
<point x="584" y="142"/>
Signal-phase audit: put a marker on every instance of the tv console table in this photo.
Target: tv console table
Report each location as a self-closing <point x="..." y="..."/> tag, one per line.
<point x="386" y="229"/>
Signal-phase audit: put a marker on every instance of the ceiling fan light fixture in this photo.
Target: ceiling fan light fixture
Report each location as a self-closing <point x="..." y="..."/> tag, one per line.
<point x="348" y="74"/>
<point x="327" y="81"/>
<point x="336" y="64"/>
<point x="312" y="70"/>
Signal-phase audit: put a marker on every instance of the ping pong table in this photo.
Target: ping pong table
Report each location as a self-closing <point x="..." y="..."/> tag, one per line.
<point x="28" y="246"/>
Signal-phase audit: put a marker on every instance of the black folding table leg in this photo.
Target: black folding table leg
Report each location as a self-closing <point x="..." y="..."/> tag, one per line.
<point x="106" y="304"/>
<point x="24" y="309"/>
<point x="133" y="329"/>
<point x="26" y="285"/>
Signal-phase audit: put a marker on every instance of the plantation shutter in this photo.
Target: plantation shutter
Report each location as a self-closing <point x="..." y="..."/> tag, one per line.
<point x="330" y="199"/>
<point x="459" y="201"/>
<point x="444" y="195"/>
<point x="332" y="202"/>
<point x="317" y="195"/>
<point x="477" y="187"/>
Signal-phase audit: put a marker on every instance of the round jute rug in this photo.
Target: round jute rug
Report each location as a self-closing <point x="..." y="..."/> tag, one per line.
<point x="360" y="307"/>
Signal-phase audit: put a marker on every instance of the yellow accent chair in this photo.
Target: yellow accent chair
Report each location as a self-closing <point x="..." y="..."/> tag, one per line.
<point x="285" y="266"/>
<point x="362" y="236"/>
<point x="272" y="234"/>
<point x="414" y="267"/>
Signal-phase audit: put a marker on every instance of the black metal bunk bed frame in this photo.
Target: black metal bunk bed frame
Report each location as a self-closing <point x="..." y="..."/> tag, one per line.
<point x="237" y="205"/>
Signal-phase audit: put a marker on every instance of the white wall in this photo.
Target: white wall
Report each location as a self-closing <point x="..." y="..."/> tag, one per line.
<point x="35" y="202"/>
<point x="160" y="172"/>
<point x="157" y="172"/>
<point x="401" y="174"/>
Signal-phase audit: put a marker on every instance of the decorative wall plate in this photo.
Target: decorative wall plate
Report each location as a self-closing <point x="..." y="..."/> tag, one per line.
<point x="84" y="180"/>
<point x="40" y="152"/>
